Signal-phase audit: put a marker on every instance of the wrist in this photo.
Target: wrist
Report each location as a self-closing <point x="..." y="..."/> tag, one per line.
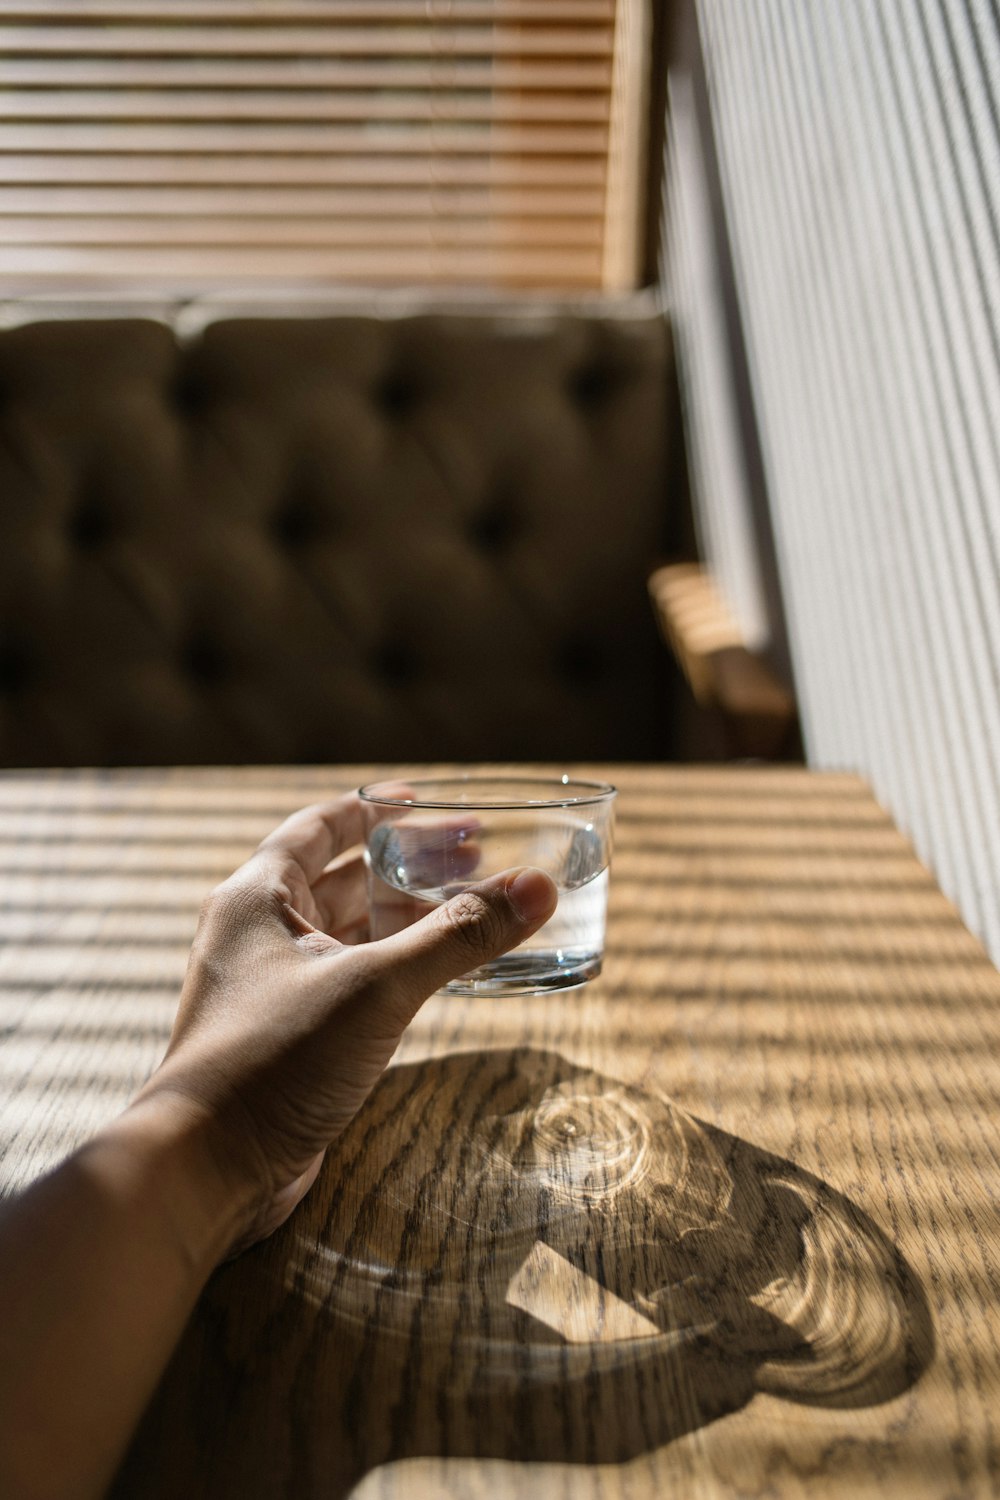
<point x="164" y="1148"/>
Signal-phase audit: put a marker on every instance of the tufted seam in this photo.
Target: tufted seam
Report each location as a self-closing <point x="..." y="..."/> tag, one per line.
<point x="277" y="561"/>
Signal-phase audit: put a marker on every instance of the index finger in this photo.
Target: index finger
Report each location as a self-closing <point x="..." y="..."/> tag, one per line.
<point x="315" y="835"/>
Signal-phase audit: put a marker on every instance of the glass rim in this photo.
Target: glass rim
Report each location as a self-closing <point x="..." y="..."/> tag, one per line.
<point x="577" y="792"/>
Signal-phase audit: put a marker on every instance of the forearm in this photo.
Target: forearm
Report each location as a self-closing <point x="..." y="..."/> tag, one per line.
<point x="281" y="1033"/>
<point x="100" y="1266"/>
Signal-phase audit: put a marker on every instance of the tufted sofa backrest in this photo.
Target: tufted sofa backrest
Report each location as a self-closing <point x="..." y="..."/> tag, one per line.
<point x="331" y="539"/>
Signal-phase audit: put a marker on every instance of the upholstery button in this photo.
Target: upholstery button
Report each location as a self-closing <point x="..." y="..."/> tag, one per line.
<point x="89" y="526"/>
<point x="396" y="394"/>
<point x="591" y="384"/>
<point x="579" y="661"/>
<point x="16" y="668"/>
<point x="203" y="660"/>
<point x="297" y="523"/>
<point x="495" y="528"/>
<point x="395" y="663"/>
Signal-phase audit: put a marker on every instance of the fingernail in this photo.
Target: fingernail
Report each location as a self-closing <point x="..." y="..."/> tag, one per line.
<point x="531" y="894"/>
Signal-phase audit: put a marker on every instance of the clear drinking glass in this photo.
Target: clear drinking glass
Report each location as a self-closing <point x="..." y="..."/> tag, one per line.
<point x="426" y="840"/>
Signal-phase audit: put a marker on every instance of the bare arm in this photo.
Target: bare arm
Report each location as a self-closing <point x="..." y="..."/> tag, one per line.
<point x="281" y="1033"/>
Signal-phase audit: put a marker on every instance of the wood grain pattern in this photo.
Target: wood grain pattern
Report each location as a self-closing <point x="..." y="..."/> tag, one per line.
<point x="722" y="1223"/>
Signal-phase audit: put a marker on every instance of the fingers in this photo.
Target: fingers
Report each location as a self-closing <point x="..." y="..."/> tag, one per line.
<point x="437" y="859"/>
<point x="470" y="929"/>
<point x="340" y="896"/>
<point x="316" y="835"/>
<point x="426" y="854"/>
<point x="392" y="910"/>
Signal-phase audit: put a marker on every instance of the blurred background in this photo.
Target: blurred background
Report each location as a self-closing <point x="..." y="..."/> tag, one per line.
<point x="393" y="380"/>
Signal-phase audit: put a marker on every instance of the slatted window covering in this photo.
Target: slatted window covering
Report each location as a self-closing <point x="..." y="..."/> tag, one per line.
<point x="859" y="148"/>
<point x="484" y="142"/>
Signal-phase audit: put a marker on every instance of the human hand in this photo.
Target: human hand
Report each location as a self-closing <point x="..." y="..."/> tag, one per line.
<point x="438" y="853"/>
<point x="282" y="1030"/>
<point x="284" y="1027"/>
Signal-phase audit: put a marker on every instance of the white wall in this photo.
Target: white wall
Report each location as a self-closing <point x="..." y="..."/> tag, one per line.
<point x="858" y="148"/>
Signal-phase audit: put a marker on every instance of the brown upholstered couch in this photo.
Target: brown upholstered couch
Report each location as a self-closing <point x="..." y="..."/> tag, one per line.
<point x="349" y="538"/>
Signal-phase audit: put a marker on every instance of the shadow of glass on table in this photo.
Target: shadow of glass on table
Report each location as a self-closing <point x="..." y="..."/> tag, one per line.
<point x="508" y="1256"/>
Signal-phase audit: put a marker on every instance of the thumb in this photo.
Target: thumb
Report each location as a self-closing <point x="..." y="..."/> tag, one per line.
<point x="471" y="929"/>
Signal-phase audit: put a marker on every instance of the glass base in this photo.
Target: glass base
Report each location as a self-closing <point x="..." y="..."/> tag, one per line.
<point x="529" y="973"/>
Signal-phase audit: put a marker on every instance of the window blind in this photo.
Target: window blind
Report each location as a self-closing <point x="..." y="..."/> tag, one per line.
<point x="386" y="141"/>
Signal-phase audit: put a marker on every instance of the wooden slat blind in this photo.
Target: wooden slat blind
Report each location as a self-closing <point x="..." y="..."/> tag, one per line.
<point x="394" y="141"/>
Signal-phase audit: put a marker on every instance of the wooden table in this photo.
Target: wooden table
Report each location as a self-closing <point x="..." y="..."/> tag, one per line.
<point x="722" y="1223"/>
